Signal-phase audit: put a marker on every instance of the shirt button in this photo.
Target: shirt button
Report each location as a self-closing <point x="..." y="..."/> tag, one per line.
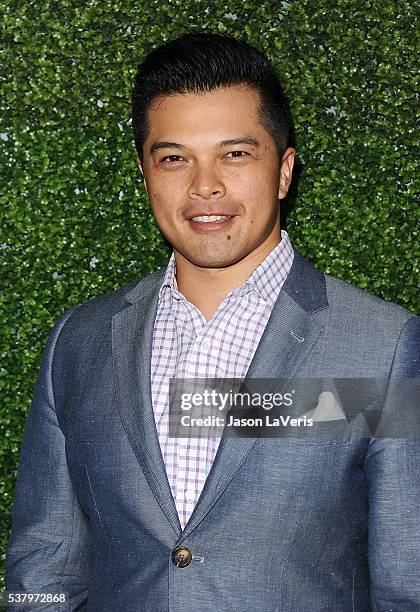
<point x="205" y="345"/>
<point x="181" y="556"/>
<point x="190" y="495"/>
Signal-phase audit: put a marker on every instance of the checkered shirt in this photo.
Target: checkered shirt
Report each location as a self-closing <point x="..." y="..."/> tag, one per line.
<point x="185" y="345"/>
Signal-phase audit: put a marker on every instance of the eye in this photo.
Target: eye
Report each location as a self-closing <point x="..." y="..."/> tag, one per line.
<point x="237" y="154"/>
<point x="170" y="159"/>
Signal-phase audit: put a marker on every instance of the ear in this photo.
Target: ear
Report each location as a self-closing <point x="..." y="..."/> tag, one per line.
<point x="139" y="166"/>
<point x="286" y="169"/>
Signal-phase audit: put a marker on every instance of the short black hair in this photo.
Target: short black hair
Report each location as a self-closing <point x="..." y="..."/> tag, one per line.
<point x="200" y="62"/>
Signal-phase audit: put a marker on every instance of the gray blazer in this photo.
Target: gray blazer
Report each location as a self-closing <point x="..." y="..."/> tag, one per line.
<point x="283" y="524"/>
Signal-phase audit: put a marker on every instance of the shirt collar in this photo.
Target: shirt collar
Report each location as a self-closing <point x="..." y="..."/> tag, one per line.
<point x="266" y="280"/>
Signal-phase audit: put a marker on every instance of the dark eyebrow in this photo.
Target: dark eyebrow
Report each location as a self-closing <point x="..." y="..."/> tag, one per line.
<point x="238" y="141"/>
<point x="165" y="145"/>
<point x="222" y="143"/>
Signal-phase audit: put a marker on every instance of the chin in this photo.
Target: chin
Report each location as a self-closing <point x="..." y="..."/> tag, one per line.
<point x="213" y="261"/>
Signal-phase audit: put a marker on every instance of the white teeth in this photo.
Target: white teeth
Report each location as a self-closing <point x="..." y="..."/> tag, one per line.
<point x="210" y="218"/>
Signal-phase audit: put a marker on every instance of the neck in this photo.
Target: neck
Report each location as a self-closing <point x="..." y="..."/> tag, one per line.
<point x="206" y="288"/>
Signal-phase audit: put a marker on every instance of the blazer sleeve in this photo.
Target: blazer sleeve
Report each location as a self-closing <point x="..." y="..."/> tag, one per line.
<point x="49" y="548"/>
<point x="393" y="471"/>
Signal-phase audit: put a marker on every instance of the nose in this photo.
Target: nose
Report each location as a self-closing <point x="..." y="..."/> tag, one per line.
<point x="206" y="182"/>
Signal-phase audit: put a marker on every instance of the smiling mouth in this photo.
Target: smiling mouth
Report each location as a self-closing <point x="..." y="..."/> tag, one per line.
<point x="203" y="224"/>
<point x="210" y="218"/>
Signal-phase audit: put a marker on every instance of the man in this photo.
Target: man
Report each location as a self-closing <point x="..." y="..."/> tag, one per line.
<point x="120" y="515"/>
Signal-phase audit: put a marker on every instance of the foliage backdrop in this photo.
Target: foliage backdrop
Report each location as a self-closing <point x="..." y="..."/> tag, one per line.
<point x="75" y="221"/>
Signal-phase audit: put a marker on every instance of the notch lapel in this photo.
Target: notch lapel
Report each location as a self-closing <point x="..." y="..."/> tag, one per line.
<point x="289" y="336"/>
<point x="132" y="330"/>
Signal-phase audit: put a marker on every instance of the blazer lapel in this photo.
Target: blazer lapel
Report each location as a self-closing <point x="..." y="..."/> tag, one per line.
<point x="289" y="337"/>
<point x="132" y="330"/>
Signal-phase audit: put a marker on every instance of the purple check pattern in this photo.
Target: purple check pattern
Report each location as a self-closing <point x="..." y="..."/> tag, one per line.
<point x="185" y="345"/>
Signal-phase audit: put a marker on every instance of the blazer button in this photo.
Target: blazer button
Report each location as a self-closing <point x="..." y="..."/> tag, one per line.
<point x="181" y="556"/>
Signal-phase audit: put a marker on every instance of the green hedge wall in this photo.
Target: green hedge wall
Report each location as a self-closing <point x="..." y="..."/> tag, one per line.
<point x="75" y="220"/>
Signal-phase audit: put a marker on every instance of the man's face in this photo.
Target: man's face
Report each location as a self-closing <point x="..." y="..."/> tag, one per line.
<point x="207" y="154"/>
